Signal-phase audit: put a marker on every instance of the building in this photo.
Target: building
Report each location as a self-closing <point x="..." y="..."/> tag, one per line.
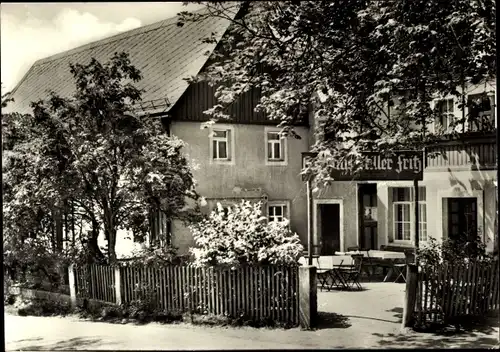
<point x="458" y="191"/>
<point x="245" y="158"/>
<point x="241" y="159"/>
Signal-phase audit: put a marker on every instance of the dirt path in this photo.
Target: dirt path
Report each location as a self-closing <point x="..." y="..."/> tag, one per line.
<point x="367" y="319"/>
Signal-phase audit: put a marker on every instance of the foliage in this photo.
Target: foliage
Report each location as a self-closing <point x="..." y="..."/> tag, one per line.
<point x="243" y="236"/>
<point x="369" y="68"/>
<point x="457" y="251"/>
<point x="9" y="299"/>
<point x="92" y="158"/>
<point x="157" y="256"/>
<point x="43" y="307"/>
<point x="145" y="303"/>
<point x="225" y="320"/>
<point x="143" y="309"/>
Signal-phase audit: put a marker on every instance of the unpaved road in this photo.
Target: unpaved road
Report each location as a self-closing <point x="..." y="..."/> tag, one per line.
<point x="367" y="319"/>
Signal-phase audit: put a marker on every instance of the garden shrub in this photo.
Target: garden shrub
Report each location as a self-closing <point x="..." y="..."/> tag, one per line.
<point x="10" y="299"/>
<point x="225" y="320"/>
<point x="242" y="236"/>
<point x="459" y="253"/>
<point x="43" y="307"/>
<point x="156" y="255"/>
<point x="461" y="250"/>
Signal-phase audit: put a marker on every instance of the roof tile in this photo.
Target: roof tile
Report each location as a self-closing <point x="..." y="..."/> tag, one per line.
<point x="164" y="53"/>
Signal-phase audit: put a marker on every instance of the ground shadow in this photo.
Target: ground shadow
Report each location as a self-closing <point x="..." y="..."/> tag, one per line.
<point x="477" y="332"/>
<point x="64" y="345"/>
<point x="399" y="313"/>
<point x="342" y="289"/>
<point x="328" y="320"/>
<point x="372" y="318"/>
<point x="422" y="340"/>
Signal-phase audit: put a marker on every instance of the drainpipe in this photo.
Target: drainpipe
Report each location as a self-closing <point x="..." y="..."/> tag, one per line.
<point x="309" y="222"/>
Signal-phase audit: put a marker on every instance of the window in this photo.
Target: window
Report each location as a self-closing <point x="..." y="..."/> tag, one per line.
<point x="404" y="214"/>
<point x="275" y="148"/>
<point x="277" y="211"/>
<point x="222" y="145"/>
<point x="220" y="141"/>
<point x="446" y="111"/>
<point x="481" y="114"/>
<point x="462" y="217"/>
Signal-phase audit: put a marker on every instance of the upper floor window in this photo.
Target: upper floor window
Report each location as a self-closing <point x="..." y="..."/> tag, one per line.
<point x="275" y="148"/>
<point x="446" y="108"/>
<point x="222" y="145"/>
<point x="481" y="113"/>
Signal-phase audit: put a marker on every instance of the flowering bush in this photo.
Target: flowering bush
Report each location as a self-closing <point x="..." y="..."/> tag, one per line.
<point x="242" y="236"/>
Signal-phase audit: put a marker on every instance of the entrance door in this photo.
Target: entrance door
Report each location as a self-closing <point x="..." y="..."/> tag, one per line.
<point x="462" y="217"/>
<point x="367" y="198"/>
<point x="330" y="228"/>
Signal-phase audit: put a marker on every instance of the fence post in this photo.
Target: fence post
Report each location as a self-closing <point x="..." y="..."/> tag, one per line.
<point x="308" y="297"/>
<point x="118" y="290"/>
<point x="410" y="295"/>
<point x="72" y="286"/>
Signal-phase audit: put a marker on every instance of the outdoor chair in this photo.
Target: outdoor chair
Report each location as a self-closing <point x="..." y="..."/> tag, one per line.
<point x="369" y="266"/>
<point x="351" y="275"/>
<point x="400" y="268"/>
<point x="323" y="274"/>
<point x="383" y="264"/>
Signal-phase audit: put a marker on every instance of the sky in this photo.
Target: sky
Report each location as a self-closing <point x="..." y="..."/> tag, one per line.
<point x="32" y="31"/>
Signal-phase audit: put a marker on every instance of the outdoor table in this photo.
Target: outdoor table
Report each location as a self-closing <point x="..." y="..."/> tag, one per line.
<point x="387" y="257"/>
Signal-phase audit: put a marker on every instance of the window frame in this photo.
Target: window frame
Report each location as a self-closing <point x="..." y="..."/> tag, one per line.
<point x="230" y="144"/>
<point x="447" y="114"/>
<point x="278" y="203"/>
<point x="486" y="118"/>
<point x="404" y="221"/>
<point x="422" y="203"/>
<point x="283" y="147"/>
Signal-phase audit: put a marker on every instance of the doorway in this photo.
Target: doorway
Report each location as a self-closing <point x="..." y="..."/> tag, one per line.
<point x="462" y="217"/>
<point x="329" y="228"/>
<point x="367" y="200"/>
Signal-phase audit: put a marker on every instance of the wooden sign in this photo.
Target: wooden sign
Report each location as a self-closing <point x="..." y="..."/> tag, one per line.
<point x="400" y="165"/>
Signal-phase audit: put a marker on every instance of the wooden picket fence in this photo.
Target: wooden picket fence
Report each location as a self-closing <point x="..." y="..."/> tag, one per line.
<point x="256" y="293"/>
<point x="447" y="292"/>
<point x="96" y="282"/>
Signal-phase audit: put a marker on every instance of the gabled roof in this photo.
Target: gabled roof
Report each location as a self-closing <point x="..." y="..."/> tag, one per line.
<point x="163" y="52"/>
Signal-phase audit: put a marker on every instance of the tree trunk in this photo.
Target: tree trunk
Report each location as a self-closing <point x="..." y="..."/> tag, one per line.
<point x="57" y="233"/>
<point x="111" y="244"/>
<point x="95" y="253"/>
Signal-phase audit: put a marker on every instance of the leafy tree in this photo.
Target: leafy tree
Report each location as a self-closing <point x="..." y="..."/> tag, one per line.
<point x="242" y="236"/>
<point x="368" y="67"/>
<point x="93" y="158"/>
